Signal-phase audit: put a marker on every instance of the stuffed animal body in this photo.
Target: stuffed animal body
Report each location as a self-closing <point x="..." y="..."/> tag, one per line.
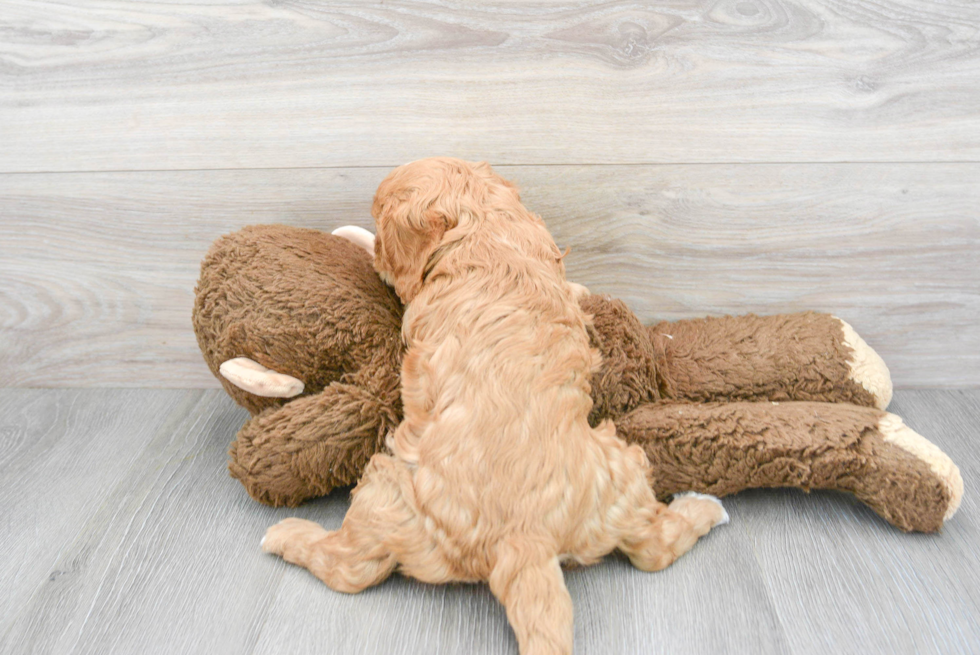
<point x="717" y="404"/>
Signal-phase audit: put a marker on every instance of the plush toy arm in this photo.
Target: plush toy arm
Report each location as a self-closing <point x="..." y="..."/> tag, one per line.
<point x="722" y="448"/>
<point x="805" y="356"/>
<point x="311" y="445"/>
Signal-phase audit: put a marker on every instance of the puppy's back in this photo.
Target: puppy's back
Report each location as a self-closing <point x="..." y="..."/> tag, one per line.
<point x="496" y="390"/>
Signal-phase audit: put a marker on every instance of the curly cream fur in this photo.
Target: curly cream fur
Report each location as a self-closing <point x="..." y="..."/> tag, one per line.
<point x="496" y="474"/>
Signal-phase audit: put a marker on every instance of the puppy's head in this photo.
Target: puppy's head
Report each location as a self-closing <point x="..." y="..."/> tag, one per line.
<point x="425" y="205"/>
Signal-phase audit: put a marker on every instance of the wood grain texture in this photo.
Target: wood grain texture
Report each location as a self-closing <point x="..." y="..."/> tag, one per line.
<point x="160" y="552"/>
<point x="104" y="85"/>
<point x="62" y="452"/>
<point x="155" y="550"/>
<point x="99" y="268"/>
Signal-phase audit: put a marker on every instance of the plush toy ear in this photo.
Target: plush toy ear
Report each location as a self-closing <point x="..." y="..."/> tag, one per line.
<point x="358" y="236"/>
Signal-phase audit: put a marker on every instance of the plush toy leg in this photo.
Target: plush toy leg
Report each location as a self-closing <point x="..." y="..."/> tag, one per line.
<point x="722" y="448"/>
<point x="806" y="356"/>
<point x="311" y="445"/>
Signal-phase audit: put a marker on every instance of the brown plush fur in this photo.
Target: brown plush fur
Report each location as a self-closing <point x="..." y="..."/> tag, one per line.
<point x="722" y="448"/>
<point x="310" y="304"/>
<point x="307" y="304"/>
<point x="756" y="359"/>
<point x="496" y="474"/>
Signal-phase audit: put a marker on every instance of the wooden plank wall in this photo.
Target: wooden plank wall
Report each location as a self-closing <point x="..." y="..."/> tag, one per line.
<point x="698" y="157"/>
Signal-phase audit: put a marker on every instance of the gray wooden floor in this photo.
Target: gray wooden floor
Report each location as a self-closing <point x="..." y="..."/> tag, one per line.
<point x="122" y="533"/>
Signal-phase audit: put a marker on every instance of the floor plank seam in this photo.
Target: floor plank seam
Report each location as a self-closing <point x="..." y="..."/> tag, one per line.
<point x="389" y="165"/>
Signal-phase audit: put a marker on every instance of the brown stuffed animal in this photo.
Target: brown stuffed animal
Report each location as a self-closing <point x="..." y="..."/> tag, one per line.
<point x="719" y="404"/>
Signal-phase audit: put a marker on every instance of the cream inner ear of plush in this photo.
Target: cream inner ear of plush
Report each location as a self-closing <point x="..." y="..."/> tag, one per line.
<point x="578" y="291"/>
<point x="259" y="380"/>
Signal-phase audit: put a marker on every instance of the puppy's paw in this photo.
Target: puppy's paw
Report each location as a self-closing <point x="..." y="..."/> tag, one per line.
<point x="867" y="367"/>
<point x="291" y="538"/>
<point x="703" y="510"/>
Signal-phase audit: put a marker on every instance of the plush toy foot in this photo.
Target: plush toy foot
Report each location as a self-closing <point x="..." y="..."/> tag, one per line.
<point x="894" y="431"/>
<point x="867" y="367"/>
<point x="259" y="380"/>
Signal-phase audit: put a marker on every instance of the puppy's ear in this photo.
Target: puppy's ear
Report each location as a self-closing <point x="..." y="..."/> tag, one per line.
<point x="410" y="228"/>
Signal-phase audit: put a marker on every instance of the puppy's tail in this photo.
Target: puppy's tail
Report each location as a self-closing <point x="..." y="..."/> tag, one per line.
<point x="529" y="582"/>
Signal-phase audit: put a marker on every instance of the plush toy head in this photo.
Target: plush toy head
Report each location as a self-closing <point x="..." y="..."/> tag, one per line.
<point x="301" y="302"/>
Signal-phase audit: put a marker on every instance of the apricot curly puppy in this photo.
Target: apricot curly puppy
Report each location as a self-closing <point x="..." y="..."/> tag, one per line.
<point x="495" y="474"/>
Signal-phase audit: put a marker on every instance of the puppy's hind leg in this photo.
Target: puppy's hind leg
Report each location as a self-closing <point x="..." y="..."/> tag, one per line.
<point x="356" y="556"/>
<point x="658" y="534"/>
<point x="531" y="587"/>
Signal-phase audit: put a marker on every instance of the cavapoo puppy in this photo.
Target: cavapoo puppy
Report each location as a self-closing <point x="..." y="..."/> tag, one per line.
<point x="495" y="473"/>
